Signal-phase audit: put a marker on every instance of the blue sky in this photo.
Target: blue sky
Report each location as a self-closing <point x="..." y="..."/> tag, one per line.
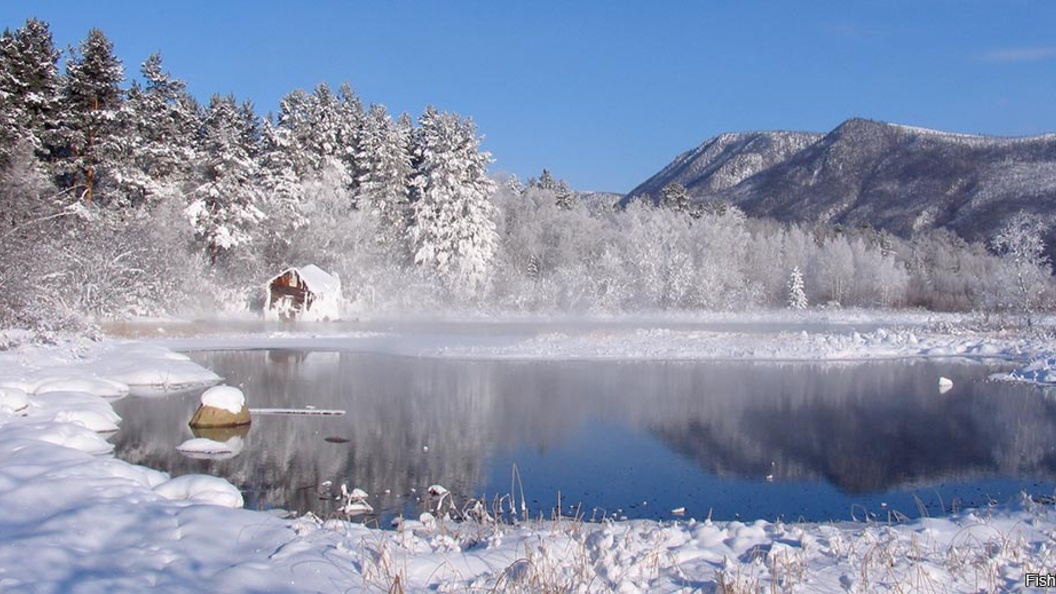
<point x="606" y="93"/>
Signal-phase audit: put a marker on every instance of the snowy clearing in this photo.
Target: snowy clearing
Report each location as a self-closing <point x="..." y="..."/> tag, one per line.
<point x="74" y="519"/>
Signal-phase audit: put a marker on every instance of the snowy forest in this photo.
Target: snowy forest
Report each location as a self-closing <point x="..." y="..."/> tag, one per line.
<point x="123" y="195"/>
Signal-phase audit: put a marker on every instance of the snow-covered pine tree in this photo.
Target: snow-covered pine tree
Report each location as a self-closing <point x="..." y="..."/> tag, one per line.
<point x="385" y="171"/>
<point x="351" y="117"/>
<point x="675" y="196"/>
<point x="564" y="197"/>
<point x="452" y="229"/>
<point x="161" y="121"/>
<point x="224" y="209"/>
<point x="316" y="131"/>
<point x="29" y="88"/>
<point x="546" y="181"/>
<point x="92" y="97"/>
<point x="281" y="169"/>
<point x="797" y="294"/>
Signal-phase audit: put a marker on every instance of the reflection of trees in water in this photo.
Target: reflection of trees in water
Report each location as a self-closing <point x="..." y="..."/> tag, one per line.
<point x="395" y="412"/>
<point x="864" y="428"/>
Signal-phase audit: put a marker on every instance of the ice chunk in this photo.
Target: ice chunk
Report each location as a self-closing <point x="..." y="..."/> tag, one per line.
<point x="945" y="384"/>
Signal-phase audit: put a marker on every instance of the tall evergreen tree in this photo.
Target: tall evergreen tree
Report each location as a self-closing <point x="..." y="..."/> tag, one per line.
<point x="797" y="294"/>
<point x="675" y="196"/>
<point x="564" y="197"/>
<point x="381" y="188"/>
<point x="161" y="121"/>
<point x="29" y="88"/>
<point x="224" y="209"/>
<point x="92" y="98"/>
<point x="321" y="128"/>
<point x="351" y="119"/>
<point x="453" y="229"/>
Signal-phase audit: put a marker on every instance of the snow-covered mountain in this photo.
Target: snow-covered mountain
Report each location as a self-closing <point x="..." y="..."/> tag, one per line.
<point x="725" y="161"/>
<point x="893" y="177"/>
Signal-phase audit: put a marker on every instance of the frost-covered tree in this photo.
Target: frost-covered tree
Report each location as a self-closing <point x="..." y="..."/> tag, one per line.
<point x="29" y="88"/>
<point x="1026" y="273"/>
<point x="797" y="294"/>
<point x="662" y="263"/>
<point x="34" y="223"/>
<point x="92" y="99"/>
<point x="452" y="229"/>
<point x="563" y="196"/>
<point x="319" y="130"/>
<point x="224" y="209"/>
<point x="381" y="187"/>
<point x="835" y="269"/>
<point x="544" y="248"/>
<point x="947" y="273"/>
<point x="720" y="244"/>
<point x="675" y="196"/>
<point x="160" y="121"/>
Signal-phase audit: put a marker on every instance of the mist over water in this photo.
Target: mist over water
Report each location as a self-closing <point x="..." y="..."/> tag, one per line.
<point x="818" y="441"/>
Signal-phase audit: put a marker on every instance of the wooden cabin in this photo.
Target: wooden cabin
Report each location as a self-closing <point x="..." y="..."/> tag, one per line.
<point x="303" y="293"/>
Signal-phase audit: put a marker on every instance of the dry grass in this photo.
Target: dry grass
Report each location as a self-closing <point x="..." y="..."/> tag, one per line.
<point x="569" y="553"/>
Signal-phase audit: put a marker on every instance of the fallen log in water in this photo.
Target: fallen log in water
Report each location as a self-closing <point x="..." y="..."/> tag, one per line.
<point x="313" y="412"/>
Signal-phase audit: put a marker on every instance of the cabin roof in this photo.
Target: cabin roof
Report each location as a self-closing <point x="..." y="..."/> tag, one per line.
<point x="317" y="279"/>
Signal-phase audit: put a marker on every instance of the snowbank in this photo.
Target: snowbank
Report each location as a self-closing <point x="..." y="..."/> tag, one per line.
<point x="72" y="518"/>
<point x="1041" y="370"/>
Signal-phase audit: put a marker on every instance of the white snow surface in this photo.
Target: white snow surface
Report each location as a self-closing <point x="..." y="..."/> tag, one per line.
<point x="228" y="398"/>
<point x="74" y="519"/>
<point x="201" y="447"/>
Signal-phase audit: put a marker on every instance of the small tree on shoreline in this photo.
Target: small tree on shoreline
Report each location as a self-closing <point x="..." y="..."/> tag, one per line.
<point x="797" y="295"/>
<point x="1027" y="272"/>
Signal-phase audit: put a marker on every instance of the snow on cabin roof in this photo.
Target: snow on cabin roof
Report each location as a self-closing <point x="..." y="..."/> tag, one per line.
<point x="317" y="279"/>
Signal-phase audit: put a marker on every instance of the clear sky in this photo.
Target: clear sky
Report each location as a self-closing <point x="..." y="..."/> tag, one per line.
<point x="605" y="93"/>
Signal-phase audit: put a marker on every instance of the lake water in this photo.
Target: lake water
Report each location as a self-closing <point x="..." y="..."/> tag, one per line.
<point x="635" y="439"/>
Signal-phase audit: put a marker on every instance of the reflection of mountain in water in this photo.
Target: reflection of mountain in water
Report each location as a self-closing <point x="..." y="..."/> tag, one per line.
<point x="864" y="428"/>
<point x="412" y="422"/>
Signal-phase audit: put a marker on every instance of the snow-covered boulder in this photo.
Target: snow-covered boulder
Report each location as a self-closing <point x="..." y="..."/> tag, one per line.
<point x="221" y="406"/>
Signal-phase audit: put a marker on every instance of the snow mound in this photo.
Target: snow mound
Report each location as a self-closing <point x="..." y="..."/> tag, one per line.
<point x="200" y="488"/>
<point x="1041" y="370"/>
<point x="87" y="410"/>
<point x="227" y="398"/>
<point x="149" y="369"/>
<point x="69" y="435"/>
<point x="13" y="400"/>
<point x="109" y="389"/>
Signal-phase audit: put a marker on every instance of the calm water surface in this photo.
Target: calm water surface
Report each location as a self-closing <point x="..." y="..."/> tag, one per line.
<point x="751" y="440"/>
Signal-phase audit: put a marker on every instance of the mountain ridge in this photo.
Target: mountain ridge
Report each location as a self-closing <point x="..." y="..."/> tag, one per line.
<point x="898" y="178"/>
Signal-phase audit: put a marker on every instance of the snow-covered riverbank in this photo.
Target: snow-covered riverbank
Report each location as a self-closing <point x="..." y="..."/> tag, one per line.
<point x="73" y="519"/>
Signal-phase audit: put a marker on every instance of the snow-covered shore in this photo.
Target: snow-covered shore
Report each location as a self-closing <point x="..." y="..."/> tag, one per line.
<point x="73" y="519"/>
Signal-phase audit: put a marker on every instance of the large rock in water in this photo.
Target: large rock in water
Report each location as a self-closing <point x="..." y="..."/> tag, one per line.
<point x="221" y="406"/>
